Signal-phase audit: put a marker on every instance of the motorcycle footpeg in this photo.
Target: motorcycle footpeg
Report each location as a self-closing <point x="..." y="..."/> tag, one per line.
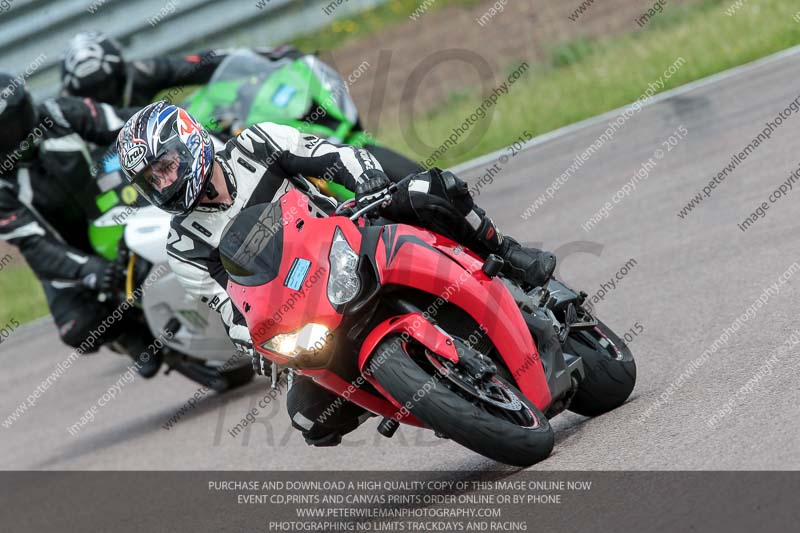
<point x="492" y="265"/>
<point x="571" y="314"/>
<point x="575" y="322"/>
<point x="388" y="427"/>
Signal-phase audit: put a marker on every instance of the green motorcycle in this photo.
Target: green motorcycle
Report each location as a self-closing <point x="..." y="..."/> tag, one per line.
<point x="304" y="93"/>
<point x="246" y="89"/>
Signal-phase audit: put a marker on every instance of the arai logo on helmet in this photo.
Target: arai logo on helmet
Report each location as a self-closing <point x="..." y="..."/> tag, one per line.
<point x="133" y="156"/>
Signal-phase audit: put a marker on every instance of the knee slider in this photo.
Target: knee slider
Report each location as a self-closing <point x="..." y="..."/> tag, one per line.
<point x="75" y="332"/>
<point x="72" y="339"/>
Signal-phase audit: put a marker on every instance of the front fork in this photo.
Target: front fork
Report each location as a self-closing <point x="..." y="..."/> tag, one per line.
<point x="275" y="376"/>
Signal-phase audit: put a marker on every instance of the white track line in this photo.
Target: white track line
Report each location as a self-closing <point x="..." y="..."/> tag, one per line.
<point x="660" y="97"/>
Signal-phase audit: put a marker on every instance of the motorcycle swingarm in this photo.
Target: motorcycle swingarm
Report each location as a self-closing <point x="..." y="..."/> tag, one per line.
<point x="559" y="367"/>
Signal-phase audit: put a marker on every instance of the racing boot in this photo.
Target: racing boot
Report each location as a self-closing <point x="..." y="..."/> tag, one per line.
<point x="528" y="266"/>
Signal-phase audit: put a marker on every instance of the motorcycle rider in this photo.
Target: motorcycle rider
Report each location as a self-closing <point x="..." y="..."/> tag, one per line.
<point x="94" y="67"/>
<point x="47" y="195"/>
<point x="170" y="159"/>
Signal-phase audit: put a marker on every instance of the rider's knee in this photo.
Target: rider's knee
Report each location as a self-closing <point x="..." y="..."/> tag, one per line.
<point x="75" y="334"/>
<point x="321" y="416"/>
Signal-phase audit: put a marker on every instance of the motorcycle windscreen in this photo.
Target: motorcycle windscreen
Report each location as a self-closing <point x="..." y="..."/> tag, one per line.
<point x="251" y="246"/>
<point x="235" y="90"/>
<point x="336" y="87"/>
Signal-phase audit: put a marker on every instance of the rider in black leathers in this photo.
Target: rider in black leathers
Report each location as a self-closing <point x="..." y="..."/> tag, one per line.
<point x="94" y="66"/>
<point x="47" y="197"/>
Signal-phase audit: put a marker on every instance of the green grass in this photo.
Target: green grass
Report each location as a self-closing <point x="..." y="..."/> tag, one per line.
<point x="570" y="52"/>
<point x="21" y="296"/>
<point x="582" y="80"/>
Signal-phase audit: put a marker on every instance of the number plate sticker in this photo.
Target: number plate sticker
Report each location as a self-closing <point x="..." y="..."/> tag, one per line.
<point x="283" y="95"/>
<point x="297" y="274"/>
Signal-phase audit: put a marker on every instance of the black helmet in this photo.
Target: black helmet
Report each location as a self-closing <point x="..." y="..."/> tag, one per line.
<point x="93" y="67"/>
<point x="17" y="115"/>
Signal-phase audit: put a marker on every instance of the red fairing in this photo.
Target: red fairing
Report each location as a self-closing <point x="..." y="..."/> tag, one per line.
<point x="274" y="308"/>
<point x="413" y="325"/>
<point x="441" y="267"/>
<point x="404" y="256"/>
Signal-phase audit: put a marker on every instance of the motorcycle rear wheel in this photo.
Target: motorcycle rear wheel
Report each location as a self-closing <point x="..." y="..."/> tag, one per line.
<point x="452" y="415"/>
<point x="610" y="370"/>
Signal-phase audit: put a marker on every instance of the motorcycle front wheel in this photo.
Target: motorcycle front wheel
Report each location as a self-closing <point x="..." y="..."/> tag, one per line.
<point x="494" y="419"/>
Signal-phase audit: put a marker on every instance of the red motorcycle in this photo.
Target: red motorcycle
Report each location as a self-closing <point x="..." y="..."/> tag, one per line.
<point x="443" y="341"/>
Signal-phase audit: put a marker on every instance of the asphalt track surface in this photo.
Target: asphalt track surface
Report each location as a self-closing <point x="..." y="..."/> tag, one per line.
<point x="692" y="279"/>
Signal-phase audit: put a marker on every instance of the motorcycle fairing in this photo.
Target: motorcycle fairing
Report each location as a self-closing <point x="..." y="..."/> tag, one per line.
<point x="403" y="256"/>
<point x="426" y="261"/>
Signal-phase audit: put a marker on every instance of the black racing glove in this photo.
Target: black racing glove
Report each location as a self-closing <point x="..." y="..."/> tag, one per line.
<point x="374" y="184"/>
<point x="100" y="275"/>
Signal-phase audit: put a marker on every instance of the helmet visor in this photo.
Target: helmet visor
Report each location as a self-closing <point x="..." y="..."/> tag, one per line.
<point x="107" y="88"/>
<point x="165" y="182"/>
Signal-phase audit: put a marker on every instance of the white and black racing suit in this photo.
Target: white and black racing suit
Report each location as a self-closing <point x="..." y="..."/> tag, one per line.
<point x="257" y="166"/>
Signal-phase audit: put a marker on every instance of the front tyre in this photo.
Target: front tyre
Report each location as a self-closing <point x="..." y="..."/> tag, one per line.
<point x="516" y="433"/>
<point x="610" y="370"/>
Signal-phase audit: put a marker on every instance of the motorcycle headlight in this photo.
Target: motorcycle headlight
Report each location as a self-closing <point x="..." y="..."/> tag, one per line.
<point x="311" y="338"/>
<point x="343" y="281"/>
